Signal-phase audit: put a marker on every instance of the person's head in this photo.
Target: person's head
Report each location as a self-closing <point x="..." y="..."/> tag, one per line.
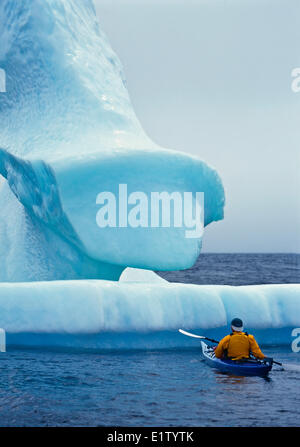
<point x="237" y="325"/>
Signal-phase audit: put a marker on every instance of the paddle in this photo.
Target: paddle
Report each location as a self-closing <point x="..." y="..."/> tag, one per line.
<point x="197" y="336"/>
<point x="210" y="339"/>
<point x="277" y="363"/>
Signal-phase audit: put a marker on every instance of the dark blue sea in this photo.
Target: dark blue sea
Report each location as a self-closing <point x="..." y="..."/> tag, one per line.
<point x="239" y="269"/>
<point x="168" y="388"/>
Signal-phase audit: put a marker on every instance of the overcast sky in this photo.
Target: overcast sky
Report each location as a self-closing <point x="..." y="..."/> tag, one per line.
<point x="213" y="78"/>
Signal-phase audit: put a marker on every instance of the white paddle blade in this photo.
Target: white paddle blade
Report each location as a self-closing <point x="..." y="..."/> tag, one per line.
<point x="189" y="334"/>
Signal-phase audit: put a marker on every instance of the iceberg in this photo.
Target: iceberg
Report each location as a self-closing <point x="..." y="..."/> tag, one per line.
<point x="67" y="133"/>
<point x="141" y="275"/>
<point x="100" y="314"/>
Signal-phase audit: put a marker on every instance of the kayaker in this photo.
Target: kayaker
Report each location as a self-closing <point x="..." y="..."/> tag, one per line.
<point x="238" y="345"/>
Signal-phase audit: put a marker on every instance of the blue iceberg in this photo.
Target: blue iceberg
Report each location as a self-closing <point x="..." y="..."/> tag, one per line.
<point x="101" y="314"/>
<point x="68" y="132"/>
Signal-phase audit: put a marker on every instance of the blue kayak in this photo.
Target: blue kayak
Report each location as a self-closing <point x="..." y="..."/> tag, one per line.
<point x="238" y="367"/>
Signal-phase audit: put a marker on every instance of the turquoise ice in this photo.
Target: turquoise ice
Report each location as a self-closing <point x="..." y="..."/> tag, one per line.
<point x="68" y="132"/>
<point x="141" y="312"/>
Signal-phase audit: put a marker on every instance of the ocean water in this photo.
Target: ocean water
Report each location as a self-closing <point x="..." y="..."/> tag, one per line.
<point x="239" y="269"/>
<point x="48" y="387"/>
<point x="164" y="388"/>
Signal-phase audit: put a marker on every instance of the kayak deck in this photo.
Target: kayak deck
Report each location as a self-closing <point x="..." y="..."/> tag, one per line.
<point x="241" y="367"/>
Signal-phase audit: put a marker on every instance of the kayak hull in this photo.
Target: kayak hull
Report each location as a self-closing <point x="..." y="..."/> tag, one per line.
<point x="240" y="368"/>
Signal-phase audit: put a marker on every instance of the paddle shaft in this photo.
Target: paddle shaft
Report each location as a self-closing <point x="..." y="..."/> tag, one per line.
<point x="211" y="339"/>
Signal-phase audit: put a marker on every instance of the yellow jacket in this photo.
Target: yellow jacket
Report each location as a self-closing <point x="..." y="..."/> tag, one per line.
<point x="237" y="346"/>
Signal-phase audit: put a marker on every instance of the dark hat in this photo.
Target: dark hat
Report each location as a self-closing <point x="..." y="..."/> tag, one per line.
<point x="237" y="324"/>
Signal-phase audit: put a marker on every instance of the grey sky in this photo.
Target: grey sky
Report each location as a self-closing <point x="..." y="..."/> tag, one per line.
<point x="213" y="78"/>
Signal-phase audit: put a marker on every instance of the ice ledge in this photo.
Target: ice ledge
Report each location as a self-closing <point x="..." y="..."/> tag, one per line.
<point x="103" y="307"/>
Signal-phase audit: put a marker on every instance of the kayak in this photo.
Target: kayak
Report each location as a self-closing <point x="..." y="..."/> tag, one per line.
<point x="246" y="367"/>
